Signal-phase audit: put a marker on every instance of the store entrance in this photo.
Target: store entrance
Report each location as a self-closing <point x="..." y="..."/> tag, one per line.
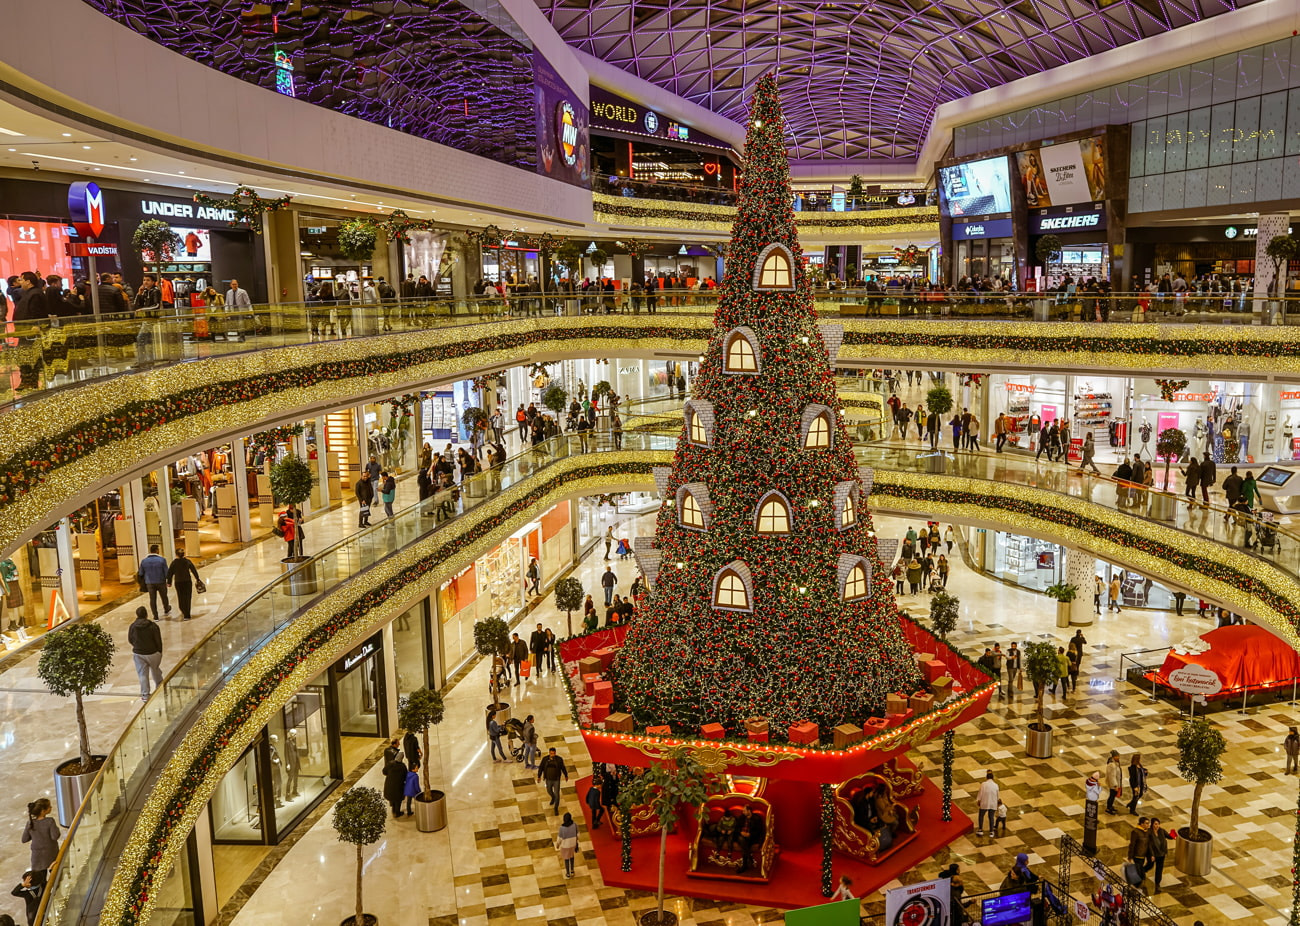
<point x="1079" y="262"/>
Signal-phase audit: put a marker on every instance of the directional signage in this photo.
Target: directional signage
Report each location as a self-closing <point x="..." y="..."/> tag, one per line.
<point x="83" y="249"/>
<point x="86" y="207"/>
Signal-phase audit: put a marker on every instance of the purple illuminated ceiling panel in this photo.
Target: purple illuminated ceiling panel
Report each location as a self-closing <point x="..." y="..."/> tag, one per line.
<point x="860" y="79"/>
<point x="431" y="68"/>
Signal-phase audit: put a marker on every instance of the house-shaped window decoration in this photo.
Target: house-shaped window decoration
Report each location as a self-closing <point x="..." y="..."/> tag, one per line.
<point x="774" y="270"/>
<point x="773" y="514"/>
<point x="741" y="353"/>
<point x="694" y="507"/>
<point x="815" y="428"/>
<point x="733" y="588"/>
<point x="846" y="504"/>
<point x="699" y="422"/>
<point x="855" y="577"/>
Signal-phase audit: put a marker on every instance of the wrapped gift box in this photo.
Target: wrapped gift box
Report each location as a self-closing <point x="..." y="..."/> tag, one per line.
<point x="658" y="731"/>
<point x="713" y="731"/>
<point x="900" y="717"/>
<point x="920" y="702"/>
<point x="895" y="703"/>
<point x="942" y="687"/>
<point x="589" y="682"/>
<point x="846" y="734"/>
<point x="603" y="692"/>
<point x="924" y="657"/>
<point x="619" y="722"/>
<point x="756" y="736"/>
<point x="589" y="665"/>
<point x="804" y="733"/>
<point x="599" y="712"/>
<point x="606" y="656"/>
<point x="933" y="669"/>
<point x="756" y="724"/>
<point x="874" y="725"/>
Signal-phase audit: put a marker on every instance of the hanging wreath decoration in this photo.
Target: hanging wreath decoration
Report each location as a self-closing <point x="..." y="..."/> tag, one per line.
<point x="489" y="237"/>
<point x="1169" y="386"/>
<point x="402" y="406"/>
<point x="481" y="383"/>
<point x="246" y="205"/>
<point x="910" y="256"/>
<point x="398" y="226"/>
<point x="635" y="247"/>
<point x="268" y="441"/>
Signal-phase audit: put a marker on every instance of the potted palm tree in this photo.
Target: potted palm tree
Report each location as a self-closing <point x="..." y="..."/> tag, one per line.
<point x="417" y="712"/>
<point x="1200" y="761"/>
<point x="1064" y="594"/>
<point x="943" y="614"/>
<point x="568" y="598"/>
<point x="75" y="661"/>
<point x="359" y="818"/>
<point x="491" y="638"/>
<point x="667" y="788"/>
<point x="291" y="481"/>
<point x="1040" y="667"/>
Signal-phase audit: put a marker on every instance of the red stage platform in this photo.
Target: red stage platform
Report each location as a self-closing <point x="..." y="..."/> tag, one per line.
<point x="796" y="879"/>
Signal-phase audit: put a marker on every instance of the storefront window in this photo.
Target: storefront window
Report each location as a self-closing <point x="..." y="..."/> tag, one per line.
<point x="359" y="689"/>
<point x="411" y="644"/>
<point x="298" y="740"/>
<point x="236" y="805"/>
<point x="1026" y="561"/>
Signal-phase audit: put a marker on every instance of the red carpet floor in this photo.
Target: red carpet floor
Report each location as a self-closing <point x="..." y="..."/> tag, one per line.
<point x="796" y="879"/>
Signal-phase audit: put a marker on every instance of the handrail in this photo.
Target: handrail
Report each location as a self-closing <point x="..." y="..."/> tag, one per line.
<point x="116" y="794"/>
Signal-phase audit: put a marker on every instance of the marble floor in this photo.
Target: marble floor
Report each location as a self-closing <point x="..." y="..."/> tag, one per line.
<point x="496" y="861"/>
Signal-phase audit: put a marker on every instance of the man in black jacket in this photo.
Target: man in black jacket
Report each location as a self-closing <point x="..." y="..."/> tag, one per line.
<point x="112" y="301"/>
<point x="365" y="491"/>
<point x="538" y="644"/>
<point x="550" y="769"/>
<point x="146" y="649"/>
<point x="518" y="653"/>
<point x="179" y="576"/>
<point x="753" y="830"/>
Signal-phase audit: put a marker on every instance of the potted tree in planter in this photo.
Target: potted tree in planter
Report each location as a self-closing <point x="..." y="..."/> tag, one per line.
<point x="291" y="481"/>
<point x="75" y="661"/>
<point x="568" y="598"/>
<point x="938" y="401"/>
<point x="1047" y="249"/>
<point x="417" y="712"/>
<point x="1200" y="761"/>
<point x="1040" y="667"/>
<point x="154" y="238"/>
<point x="1063" y="593"/>
<point x="1281" y="250"/>
<point x="491" y="637"/>
<point x="1171" y="443"/>
<point x="666" y="788"/>
<point x="476" y="421"/>
<point x="359" y="818"/>
<point x="943" y="614"/>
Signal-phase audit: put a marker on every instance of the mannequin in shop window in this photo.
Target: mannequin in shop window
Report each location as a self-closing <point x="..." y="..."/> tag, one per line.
<point x="292" y="763"/>
<point x="277" y="771"/>
<point x="1145" y="433"/>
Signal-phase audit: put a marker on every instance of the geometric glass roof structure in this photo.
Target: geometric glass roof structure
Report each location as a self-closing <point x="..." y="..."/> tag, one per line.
<point x="859" y="80"/>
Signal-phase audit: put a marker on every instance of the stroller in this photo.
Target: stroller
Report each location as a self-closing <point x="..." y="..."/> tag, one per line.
<point x="1266" y="536"/>
<point x="515" y="738"/>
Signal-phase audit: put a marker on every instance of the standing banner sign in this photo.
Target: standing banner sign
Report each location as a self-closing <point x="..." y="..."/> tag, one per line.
<point x="927" y="902"/>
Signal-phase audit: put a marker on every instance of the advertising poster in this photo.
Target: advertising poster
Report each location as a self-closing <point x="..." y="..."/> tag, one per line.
<point x="36" y="246"/>
<point x="924" y="904"/>
<point x="1064" y="174"/>
<point x="563" y="146"/>
<point x="975" y="188"/>
<point x="196" y="246"/>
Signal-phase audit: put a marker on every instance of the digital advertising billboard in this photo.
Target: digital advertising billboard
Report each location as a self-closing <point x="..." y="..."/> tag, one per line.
<point x="1063" y="174"/>
<point x="975" y="188"/>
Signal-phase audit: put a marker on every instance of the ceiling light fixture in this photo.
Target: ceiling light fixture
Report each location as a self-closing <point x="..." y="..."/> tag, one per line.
<point x="67" y="134"/>
<point x="4" y="131"/>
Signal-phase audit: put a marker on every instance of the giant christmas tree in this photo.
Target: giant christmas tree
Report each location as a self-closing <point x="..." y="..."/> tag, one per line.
<point x="767" y="595"/>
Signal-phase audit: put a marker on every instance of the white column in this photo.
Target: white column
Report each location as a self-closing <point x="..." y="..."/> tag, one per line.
<point x="67" y="567"/>
<point x="1267" y="228"/>
<point x="390" y="675"/>
<point x="133" y="508"/>
<point x="362" y="441"/>
<point x="322" y="465"/>
<point x="1079" y="572"/>
<point x="299" y="448"/>
<point x="239" y="468"/>
<point x="166" y="528"/>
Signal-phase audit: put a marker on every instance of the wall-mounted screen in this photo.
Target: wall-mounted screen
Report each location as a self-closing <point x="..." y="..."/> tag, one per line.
<point x="1065" y="173"/>
<point x="196" y="246"/>
<point x="975" y="188"/>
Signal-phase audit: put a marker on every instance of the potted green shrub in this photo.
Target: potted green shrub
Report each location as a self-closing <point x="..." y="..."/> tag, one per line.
<point x="1171" y="443"/>
<point x="568" y="598"/>
<point x="154" y="238"/>
<point x="75" y="661"/>
<point x="1040" y="667"/>
<point x="943" y="614"/>
<point x="1281" y="250"/>
<point x="491" y="637"/>
<point x="668" y="788"/>
<point x="1063" y="593"/>
<point x="291" y="481"/>
<point x="1200" y="761"/>
<point x="360" y="817"/>
<point x="417" y="712"/>
<point x="938" y="401"/>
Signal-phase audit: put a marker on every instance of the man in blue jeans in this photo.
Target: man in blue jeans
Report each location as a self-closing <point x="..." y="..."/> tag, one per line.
<point x="153" y="576"/>
<point x="608" y="581"/>
<point x="550" y="769"/>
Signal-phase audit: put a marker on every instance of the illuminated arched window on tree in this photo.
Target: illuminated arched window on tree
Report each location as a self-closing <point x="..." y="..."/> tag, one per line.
<point x="774" y="269"/>
<point x="849" y="513"/>
<point x="689" y="513"/>
<point x="855" y="584"/>
<point x="697" y="433"/>
<point x="732" y="588"/>
<point x="773" y="514"/>
<point x="819" y="434"/>
<point x="741" y="357"/>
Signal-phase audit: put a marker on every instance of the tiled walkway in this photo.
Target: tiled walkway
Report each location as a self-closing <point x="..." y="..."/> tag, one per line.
<point x="496" y="861"/>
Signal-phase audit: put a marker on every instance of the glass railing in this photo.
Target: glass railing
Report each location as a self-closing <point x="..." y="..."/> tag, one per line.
<point x="93" y="842"/>
<point x="37" y="358"/>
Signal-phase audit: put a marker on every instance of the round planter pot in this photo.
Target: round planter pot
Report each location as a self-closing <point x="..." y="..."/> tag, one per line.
<point x="301" y="571"/>
<point x="652" y="919"/>
<point x="936" y="463"/>
<point x="1063" y="609"/>
<point x="1164" y="507"/>
<point x="430" y="816"/>
<point x="371" y="920"/>
<point x="71" y="789"/>
<point x="1194" y="858"/>
<point x="503" y="711"/>
<point x="1038" y="743"/>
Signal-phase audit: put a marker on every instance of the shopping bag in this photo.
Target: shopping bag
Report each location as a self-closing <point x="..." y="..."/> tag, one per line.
<point x="526" y="668"/>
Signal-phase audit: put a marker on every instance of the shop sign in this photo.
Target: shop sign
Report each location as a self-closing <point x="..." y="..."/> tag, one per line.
<point x="992" y="228"/>
<point x="186" y="211"/>
<point x="1075" y="221"/>
<point x="360" y="654"/>
<point x="1195" y="396"/>
<point x="84" y="249"/>
<point x="1251" y="232"/>
<point x="1290" y="394"/>
<point x="86" y="207"/>
<point x="566" y="131"/>
<point x="1021" y="387"/>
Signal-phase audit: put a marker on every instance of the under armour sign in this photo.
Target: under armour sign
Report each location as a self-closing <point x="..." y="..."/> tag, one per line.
<point x="86" y="208"/>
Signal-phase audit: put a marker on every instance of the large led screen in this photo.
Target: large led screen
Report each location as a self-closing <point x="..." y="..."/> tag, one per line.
<point x="975" y="188"/>
<point x="1062" y="174"/>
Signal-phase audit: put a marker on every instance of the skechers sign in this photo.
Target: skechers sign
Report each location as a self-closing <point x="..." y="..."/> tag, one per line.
<point x="1078" y="221"/>
<point x="993" y="228"/>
